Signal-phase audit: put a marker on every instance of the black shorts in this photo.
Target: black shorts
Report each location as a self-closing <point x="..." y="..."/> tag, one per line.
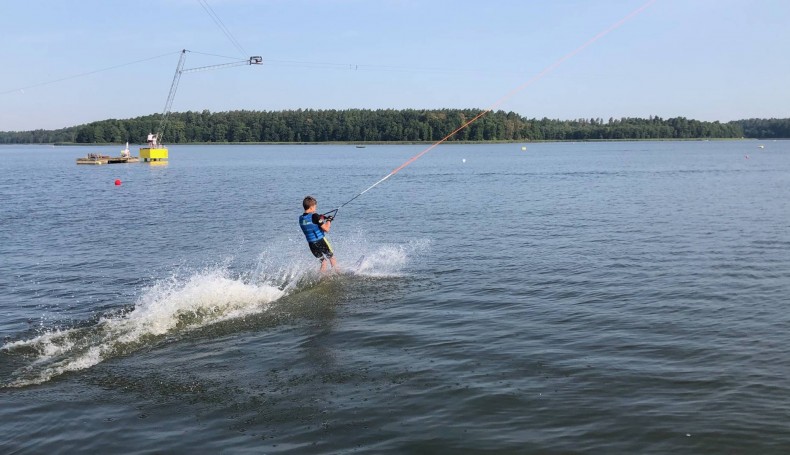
<point x="321" y="248"/>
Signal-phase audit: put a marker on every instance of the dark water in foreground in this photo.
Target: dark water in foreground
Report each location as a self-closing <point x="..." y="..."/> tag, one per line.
<point x="570" y="298"/>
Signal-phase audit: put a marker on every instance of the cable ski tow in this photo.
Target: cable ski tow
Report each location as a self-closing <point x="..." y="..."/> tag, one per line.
<point x="330" y="215"/>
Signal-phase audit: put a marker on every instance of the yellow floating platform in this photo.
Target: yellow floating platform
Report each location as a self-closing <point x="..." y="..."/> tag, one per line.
<point x="153" y="154"/>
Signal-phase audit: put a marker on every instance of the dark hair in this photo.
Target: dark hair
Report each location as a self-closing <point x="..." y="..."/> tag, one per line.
<point x="308" y="202"/>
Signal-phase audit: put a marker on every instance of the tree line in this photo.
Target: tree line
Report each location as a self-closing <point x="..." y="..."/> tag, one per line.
<point x="389" y="125"/>
<point x="773" y="128"/>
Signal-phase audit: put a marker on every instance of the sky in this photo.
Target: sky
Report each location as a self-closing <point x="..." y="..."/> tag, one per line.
<point x="702" y="59"/>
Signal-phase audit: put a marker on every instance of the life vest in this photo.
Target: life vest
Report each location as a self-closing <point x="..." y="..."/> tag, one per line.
<point x="312" y="231"/>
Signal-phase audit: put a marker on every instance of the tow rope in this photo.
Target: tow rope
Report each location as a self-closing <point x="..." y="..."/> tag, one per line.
<point x="333" y="213"/>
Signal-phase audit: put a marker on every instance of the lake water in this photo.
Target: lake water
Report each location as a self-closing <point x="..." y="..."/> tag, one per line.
<point x="626" y="297"/>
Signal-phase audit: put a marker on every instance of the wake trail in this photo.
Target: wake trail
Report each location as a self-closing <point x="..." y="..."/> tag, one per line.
<point x="181" y="304"/>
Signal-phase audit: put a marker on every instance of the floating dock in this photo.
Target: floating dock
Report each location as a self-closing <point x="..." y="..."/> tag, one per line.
<point x="95" y="158"/>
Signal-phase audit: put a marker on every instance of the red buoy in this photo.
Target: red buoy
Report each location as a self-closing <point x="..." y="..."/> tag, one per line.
<point x="117" y="182"/>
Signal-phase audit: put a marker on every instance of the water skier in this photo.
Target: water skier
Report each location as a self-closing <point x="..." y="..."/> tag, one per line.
<point x="315" y="226"/>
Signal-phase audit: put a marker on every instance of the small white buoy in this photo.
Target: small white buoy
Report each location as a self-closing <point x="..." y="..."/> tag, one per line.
<point x="761" y="146"/>
<point x="463" y="160"/>
<point x="523" y="147"/>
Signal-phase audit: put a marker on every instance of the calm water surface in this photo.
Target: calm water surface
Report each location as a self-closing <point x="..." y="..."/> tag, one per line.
<point x="571" y="298"/>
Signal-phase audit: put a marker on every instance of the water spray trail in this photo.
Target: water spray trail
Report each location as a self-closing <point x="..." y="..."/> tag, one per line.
<point x="512" y="93"/>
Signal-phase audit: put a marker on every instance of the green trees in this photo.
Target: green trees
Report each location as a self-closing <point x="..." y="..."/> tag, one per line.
<point x="766" y="128"/>
<point x="357" y="125"/>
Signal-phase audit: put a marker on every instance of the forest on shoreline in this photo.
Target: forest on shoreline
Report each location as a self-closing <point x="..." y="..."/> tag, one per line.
<point x="390" y="125"/>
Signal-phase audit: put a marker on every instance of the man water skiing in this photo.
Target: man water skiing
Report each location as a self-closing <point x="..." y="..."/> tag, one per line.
<point x="315" y="226"/>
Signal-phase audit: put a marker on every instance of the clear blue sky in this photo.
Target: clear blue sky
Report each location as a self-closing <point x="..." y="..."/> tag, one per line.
<point x="703" y="59"/>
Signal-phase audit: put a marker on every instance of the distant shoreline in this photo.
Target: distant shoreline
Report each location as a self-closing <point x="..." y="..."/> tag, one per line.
<point x="390" y="126"/>
<point x="364" y="144"/>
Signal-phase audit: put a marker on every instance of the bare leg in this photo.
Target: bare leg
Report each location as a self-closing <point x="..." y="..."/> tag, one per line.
<point x="333" y="261"/>
<point x="323" y="266"/>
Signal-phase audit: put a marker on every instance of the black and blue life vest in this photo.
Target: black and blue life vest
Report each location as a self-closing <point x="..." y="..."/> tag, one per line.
<point x="312" y="231"/>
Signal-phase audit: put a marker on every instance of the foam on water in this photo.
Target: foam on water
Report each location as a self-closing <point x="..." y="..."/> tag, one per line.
<point x="381" y="260"/>
<point x="172" y="305"/>
<point x="180" y="304"/>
